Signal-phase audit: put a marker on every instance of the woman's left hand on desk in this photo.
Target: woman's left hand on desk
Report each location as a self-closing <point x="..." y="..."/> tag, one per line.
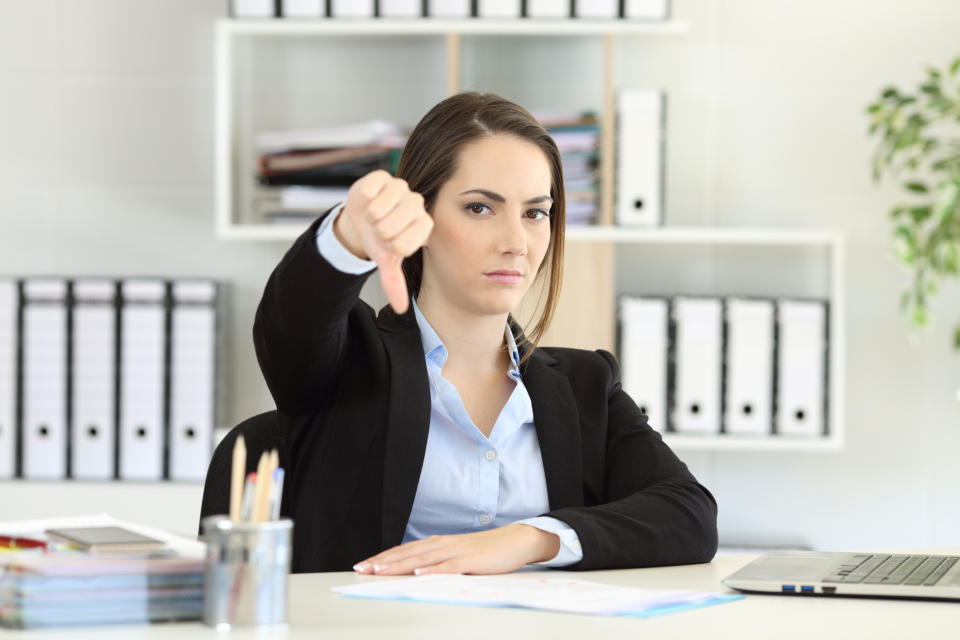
<point x="500" y="550"/>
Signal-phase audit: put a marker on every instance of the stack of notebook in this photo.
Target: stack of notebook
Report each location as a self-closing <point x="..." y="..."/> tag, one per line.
<point x="69" y="586"/>
<point x="578" y="138"/>
<point x="309" y="171"/>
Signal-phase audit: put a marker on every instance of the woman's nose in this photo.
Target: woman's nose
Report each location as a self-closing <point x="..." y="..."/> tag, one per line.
<point x="513" y="237"/>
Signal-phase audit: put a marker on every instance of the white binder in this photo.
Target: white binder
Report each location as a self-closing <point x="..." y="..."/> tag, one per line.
<point x="697" y="360"/>
<point x="448" y="8"/>
<point x="801" y="368"/>
<point x="351" y="8"/>
<point x="9" y="307"/>
<point x="639" y="166"/>
<point x="45" y="378"/>
<point x="142" y="347"/>
<point x="400" y="8"/>
<point x="193" y="339"/>
<point x="251" y="8"/>
<point x="303" y="8"/>
<point x="596" y="9"/>
<point x="498" y="8"/>
<point x="644" y="325"/>
<point x="93" y="420"/>
<point x="548" y="8"/>
<point x="749" y="370"/>
<point x="646" y="9"/>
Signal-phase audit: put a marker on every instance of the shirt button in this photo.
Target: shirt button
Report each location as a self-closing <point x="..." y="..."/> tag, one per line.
<point x="484" y="519"/>
<point x="490" y="455"/>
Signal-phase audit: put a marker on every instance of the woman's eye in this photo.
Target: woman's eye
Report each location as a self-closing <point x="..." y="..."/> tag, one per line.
<point x="538" y="214"/>
<point x="477" y="208"/>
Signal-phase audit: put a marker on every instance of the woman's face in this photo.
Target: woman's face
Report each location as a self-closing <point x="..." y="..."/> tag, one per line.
<point x="491" y="226"/>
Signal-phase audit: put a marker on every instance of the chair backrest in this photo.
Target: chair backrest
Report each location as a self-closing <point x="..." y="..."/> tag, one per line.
<point x="260" y="433"/>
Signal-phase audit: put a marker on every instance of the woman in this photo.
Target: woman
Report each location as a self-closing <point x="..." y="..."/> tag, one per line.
<point x="435" y="436"/>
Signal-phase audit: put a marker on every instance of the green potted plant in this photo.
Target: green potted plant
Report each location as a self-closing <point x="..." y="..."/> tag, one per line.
<point x="920" y="146"/>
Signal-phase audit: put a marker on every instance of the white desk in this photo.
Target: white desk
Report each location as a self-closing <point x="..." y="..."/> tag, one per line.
<point x="316" y="612"/>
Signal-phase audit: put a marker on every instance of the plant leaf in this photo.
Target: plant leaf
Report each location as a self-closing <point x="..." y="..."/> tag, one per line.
<point x="955" y="66"/>
<point x="916" y="187"/>
<point x="956" y="331"/>
<point x="919" y="214"/>
<point x="889" y="92"/>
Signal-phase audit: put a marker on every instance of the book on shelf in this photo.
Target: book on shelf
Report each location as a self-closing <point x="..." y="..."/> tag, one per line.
<point x="302" y="159"/>
<point x="340" y="174"/>
<point x="577" y="134"/>
<point x="373" y="132"/>
<point x="305" y="172"/>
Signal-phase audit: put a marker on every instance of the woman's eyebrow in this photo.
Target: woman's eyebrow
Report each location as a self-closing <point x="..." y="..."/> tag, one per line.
<point x="499" y="198"/>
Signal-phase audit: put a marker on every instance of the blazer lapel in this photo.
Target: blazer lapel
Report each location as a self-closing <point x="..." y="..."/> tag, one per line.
<point x="408" y="421"/>
<point x="558" y="428"/>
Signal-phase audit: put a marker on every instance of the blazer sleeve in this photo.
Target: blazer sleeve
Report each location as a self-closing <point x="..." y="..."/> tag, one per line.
<point x="656" y="513"/>
<point x="302" y="325"/>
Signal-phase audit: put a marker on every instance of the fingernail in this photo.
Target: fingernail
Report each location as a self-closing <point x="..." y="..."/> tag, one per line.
<point x="417" y="572"/>
<point x="361" y="566"/>
<point x="380" y="567"/>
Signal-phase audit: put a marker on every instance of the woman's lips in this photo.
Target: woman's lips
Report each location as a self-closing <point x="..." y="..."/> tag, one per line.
<point x="505" y="277"/>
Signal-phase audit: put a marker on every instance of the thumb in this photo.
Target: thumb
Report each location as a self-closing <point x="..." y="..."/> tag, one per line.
<point x="394" y="284"/>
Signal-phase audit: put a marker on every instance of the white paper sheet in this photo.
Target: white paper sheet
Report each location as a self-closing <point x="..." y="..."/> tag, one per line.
<point x="550" y="594"/>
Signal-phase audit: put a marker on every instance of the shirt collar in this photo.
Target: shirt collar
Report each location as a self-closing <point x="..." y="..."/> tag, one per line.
<point x="435" y="351"/>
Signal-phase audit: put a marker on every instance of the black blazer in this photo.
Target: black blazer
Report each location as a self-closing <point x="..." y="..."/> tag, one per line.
<point x="354" y="408"/>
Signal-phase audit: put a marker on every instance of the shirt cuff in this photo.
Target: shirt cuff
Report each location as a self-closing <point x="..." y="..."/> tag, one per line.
<point x="334" y="252"/>
<point x="570" y="550"/>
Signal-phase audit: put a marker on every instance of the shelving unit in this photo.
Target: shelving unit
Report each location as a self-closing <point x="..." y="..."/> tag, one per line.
<point x="586" y="315"/>
<point x="231" y="33"/>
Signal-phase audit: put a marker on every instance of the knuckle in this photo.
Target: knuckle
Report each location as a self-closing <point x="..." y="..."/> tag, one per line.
<point x="376" y="211"/>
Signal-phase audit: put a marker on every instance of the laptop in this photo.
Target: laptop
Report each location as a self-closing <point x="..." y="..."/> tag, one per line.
<point x="891" y="575"/>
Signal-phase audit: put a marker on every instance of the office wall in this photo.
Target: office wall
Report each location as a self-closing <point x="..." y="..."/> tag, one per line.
<point x="106" y="168"/>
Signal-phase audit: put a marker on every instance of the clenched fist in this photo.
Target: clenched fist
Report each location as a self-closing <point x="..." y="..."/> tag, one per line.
<point x="384" y="221"/>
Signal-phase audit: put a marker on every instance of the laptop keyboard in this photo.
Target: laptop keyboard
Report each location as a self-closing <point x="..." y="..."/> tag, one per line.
<point x="868" y="568"/>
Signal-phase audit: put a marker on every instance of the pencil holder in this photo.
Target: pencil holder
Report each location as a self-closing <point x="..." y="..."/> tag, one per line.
<point x="248" y="565"/>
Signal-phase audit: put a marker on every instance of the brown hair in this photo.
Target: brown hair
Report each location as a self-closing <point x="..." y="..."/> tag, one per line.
<point x="429" y="159"/>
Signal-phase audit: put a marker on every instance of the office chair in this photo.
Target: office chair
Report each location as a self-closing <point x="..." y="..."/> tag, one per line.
<point x="260" y="433"/>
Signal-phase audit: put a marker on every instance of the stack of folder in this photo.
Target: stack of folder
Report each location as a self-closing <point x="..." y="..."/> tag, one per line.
<point x="113" y="378"/>
<point x="550" y="9"/>
<point x="309" y="171"/>
<point x="577" y="135"/>
<point x="740" y="367"/>
<point x="69" y="588"/>
<point x="73" y="588"/>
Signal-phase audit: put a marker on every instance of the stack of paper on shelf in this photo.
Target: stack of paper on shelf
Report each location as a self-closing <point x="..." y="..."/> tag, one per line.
<point x="577" y="135"/>
<point x="59" y="587"/>
<point x="310" y="171"/>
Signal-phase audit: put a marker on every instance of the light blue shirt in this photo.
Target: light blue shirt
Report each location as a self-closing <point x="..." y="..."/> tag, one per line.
<point x="470" y="482"/>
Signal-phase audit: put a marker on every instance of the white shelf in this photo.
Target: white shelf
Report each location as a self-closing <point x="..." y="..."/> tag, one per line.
<point x="434" y="26"/>
<point x="233" y="36"/>
<point x="701" y="235"/>
<point x="231" y="32"/>
<point x="681" y="442"/>
<point x="602" y="233"/>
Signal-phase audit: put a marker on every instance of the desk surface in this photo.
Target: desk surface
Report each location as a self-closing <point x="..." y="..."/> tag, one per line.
<point x="316" y="612"/>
